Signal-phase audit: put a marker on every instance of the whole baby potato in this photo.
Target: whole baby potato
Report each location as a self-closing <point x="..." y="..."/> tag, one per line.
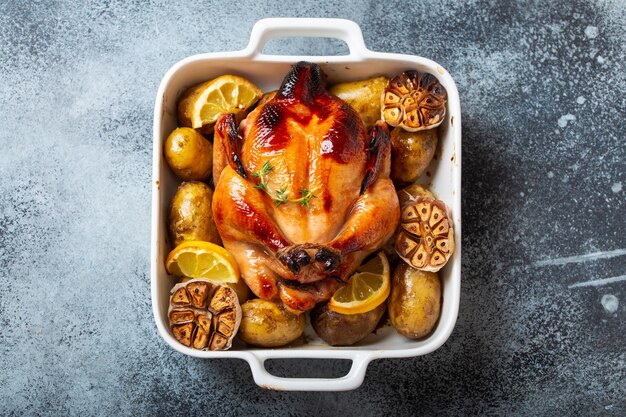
<point x="411" y="152"/>
<point x="338" y="329"/>
<point x="415" y="301"/>
<point x="269" y="324"/>
<point x="191" y="217"/>
<point x="189" y="154"/>
<point x="365" y="96"/>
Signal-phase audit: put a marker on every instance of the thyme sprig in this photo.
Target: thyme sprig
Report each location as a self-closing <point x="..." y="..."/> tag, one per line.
<point x="280" y="196"/>
<point x="305" y="199"/>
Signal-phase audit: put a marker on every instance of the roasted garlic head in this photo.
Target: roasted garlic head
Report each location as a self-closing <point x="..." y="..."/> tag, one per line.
<point x="204" y="315"/>
<point x="410" y="194"/>
<point x="426" y="237"/>
<point x="414" y="101"/>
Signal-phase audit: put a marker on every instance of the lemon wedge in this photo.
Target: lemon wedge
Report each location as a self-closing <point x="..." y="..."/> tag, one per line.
<point x="200" y="105"/>
<point x="198" y="259"/>
<point x="368" y="288"/>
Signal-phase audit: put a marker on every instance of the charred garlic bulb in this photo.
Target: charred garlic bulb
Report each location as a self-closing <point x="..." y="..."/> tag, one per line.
<point x="410" y="194"/>
<point x="414" y="101"/>
<point x="203" y="315"/>
<point x="426" y="237"/>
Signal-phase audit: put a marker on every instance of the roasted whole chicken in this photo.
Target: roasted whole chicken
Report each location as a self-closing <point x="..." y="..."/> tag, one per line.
<point x="302" y="193"/>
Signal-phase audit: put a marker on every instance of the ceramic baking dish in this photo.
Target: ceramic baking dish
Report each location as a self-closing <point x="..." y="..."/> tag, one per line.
<point x="267" y="71"/>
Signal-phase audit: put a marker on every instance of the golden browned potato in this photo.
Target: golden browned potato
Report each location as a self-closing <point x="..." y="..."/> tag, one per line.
<point x="365" y="96"/>
<point x="415" y="301"/>
<point x="191" y="217"/>
<point x="338" y="329"/>
<point x="269" y="324"/>
<point x="189" y="154"/>
<point x="411" y="152"/>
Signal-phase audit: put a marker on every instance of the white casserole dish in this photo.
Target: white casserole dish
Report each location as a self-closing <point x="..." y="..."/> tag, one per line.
<point x="267" y="71"/>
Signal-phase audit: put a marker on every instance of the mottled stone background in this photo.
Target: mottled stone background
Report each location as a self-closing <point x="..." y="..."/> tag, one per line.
<point x="541" y="325"/>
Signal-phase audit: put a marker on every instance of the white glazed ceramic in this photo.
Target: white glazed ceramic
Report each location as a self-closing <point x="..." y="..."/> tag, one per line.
<point x="267" y="71"/>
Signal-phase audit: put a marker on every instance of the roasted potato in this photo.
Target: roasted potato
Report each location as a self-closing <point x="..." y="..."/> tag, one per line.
<point x="411" y="152"/>
<point x="365" y="96"/>
<point x="415" y="301"/>
<point x="269" y="324"/>
<point x="189" y="154"/>
<point x="338" y="329"/>
<point x="191" y="217"/>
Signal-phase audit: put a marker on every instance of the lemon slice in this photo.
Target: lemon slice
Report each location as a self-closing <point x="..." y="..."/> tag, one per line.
<point x="201" y="104"/>
<point x="197" y="259"/>
<point x="367" y="289"/>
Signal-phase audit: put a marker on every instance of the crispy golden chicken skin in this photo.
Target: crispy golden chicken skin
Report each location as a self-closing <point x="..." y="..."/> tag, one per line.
<point x="302" y="193"/>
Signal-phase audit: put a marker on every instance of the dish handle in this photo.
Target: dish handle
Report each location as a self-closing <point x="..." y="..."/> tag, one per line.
<point x="277" y="27"/>
<point x="353" y="379"/>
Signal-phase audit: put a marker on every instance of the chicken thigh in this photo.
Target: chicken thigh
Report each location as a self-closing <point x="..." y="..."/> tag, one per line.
<point x="302" y="193"/>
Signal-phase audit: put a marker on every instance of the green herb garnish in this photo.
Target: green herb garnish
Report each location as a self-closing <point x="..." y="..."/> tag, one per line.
<point x="280" y="196"/>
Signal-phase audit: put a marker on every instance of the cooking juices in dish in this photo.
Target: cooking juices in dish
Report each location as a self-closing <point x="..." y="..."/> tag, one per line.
<point x="304" y="203"/>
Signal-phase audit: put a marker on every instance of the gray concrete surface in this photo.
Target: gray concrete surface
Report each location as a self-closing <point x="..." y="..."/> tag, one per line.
<point x="541" y="325"/>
